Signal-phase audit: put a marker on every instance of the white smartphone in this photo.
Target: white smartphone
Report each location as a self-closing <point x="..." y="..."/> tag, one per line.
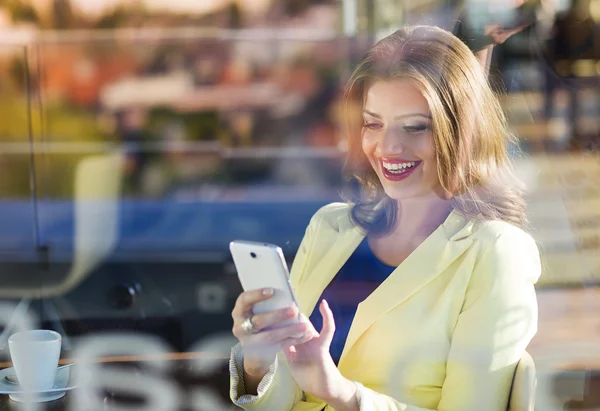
<point x="262" y="265"/>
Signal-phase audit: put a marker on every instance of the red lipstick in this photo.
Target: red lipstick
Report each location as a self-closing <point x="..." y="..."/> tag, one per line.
<point x="397" y="174"/>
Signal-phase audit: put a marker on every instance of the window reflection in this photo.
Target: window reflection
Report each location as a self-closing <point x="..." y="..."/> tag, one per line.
<point x="129" y="160"/>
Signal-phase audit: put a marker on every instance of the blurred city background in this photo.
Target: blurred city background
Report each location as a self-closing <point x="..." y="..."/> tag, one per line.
<point x="138" y="138"/>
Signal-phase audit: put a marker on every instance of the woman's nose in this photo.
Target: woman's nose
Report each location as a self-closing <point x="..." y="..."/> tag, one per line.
<point x="390" y="143"/>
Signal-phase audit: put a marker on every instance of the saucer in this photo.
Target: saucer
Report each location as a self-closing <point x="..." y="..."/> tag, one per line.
<point x="16" y="393"/>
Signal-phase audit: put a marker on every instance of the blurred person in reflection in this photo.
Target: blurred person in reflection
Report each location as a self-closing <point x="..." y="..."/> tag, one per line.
<point x="418" y="293"/>
<point x="574" y="38"/>
<point x="483" y="24"/>
<point x="132" y="134"/>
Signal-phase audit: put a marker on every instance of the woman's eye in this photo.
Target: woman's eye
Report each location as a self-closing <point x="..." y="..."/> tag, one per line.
<point x="371" y="126"/>
<point x="416" y="129"/>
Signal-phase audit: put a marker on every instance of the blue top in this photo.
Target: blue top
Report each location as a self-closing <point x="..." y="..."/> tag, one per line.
<point x="355" y="281"/>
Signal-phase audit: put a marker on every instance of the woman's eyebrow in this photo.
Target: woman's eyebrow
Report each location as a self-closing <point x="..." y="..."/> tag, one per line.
<point x="427" y="116"/>
<point x="400" y="117"/>
<point x="371" y="114"/>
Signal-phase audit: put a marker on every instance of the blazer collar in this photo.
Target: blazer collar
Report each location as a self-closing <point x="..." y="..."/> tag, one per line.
<point x="456" y="226"/>
<point x="343" y="244"/>
<point x="436" y="253"/>
<point x="424" y="264"/>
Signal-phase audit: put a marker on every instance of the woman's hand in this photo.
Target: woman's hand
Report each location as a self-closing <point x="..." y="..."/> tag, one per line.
<point x="499" y="35"/>
<point x="260" y="348"/>
<point x="313" y="368"/>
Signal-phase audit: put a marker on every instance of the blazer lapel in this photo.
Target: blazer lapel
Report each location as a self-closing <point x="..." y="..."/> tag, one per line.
<point x="343" y="243"/>
<point x="423" y="265"/>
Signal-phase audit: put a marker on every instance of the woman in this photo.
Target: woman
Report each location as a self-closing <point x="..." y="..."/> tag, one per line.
<point x="427" y="268"/>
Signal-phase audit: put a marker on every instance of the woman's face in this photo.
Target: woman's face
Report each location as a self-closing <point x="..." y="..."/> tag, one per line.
<point x="398" y="140"/>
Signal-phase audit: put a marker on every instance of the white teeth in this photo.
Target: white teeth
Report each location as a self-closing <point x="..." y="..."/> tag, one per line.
<point x="398" y="167"/>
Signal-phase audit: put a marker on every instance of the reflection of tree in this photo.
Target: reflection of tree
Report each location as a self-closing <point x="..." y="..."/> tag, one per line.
<point x="130" y="13"/>
<point x="201" y="126"/>
<point x="62" y="14"/>
<point x="112" y="19"/>
<point x="234" y="15"/>
<point x="20" y="11"/>
<point x="17" y="73"/>
<point x="63" y="124"/>
<point x="295" y="7"/>
<point x="122" y="15"/>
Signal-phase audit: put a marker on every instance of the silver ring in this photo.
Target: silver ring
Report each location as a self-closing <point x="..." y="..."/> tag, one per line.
<point x="248" y="327"/>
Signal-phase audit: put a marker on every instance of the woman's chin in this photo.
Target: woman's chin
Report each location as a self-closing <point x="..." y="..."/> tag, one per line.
<point x="415" y="193"/>
<point x="402" y="195"/>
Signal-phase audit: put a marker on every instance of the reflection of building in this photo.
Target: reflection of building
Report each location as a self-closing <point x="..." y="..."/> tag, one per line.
<point x="70" y="74"/>
<point x="97" y="7"/>
<point x="563" y="208"/>
<point x="148" y="91"/>
<point x="379" y="16"/>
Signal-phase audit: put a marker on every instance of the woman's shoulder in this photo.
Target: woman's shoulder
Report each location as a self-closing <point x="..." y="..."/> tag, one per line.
<point x="332" y="213"/>
<point x="500" y="236"/>
<point x="505" y="253"/>
<point x="493" y="229"/>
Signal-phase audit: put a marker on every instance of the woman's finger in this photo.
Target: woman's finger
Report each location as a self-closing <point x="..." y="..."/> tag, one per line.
<point x="291" y="342"/>
<point x="275" y="336"/>
<point x="245" y="301"/>
<point x="273" y="318"/>
<point x="328" y="322"/>
<point x="265" y="344"/>
<point x="310" y="329"/>
<point x="290" y="354"/>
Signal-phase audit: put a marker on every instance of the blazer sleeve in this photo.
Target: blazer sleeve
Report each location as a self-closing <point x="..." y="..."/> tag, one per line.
<point x="287" y="393"/>
<point x="497" y="321"/>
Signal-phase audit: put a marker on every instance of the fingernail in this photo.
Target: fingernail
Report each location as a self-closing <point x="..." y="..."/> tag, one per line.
<point x="299" y="336"/>
<point x="267" y="291"/>
<point x="325" y="303"/>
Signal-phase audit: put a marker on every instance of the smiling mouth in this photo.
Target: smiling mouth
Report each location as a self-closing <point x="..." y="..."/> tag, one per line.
<point x="397" y="170"/>
<point x="398" y="167"/>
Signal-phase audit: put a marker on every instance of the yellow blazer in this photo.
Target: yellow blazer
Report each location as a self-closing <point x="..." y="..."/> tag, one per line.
<point x="443" y="332"/>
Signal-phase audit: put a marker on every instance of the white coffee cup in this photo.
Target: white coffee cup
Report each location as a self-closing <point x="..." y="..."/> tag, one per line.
<point x="34" y="355"/>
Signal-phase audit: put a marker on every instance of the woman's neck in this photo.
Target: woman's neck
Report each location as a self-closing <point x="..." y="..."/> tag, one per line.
<point x="418" y="218"/>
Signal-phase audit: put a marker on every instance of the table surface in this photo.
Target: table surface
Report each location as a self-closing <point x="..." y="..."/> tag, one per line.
<point x="181" y="372"/>
<point x="567" y="318"/>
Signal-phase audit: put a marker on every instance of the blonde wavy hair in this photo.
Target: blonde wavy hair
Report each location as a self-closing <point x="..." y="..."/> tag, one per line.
<point x="470" y="131"/>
